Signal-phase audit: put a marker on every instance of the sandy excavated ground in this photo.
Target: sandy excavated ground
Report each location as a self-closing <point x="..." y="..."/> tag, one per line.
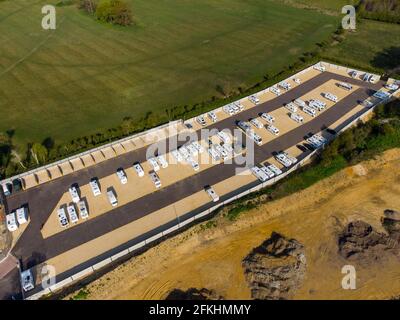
<point x="211" y="258"/>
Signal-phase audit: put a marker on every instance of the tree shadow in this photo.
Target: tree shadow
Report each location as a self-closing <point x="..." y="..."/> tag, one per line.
<point x="388" y="59"/>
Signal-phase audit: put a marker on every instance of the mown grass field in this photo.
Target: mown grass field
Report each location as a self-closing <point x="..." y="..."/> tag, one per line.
<point x="86" y="76"/>
<point x="364" y="46"/>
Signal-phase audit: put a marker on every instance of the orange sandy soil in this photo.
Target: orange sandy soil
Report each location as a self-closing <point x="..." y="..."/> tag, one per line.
<point x="211" y="257"/>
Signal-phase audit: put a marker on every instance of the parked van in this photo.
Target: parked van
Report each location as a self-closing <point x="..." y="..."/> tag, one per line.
<point x="73" y="217"/>
<point x="211" y="192"/>
<point x="83" y="212"/>
<point x="309" y="111"/>
<point x="27" y="281"/>
<point x="11" y="222"/>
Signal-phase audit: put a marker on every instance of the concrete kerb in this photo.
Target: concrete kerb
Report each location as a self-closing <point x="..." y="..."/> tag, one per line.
<point x="101" y="264"/>
<point x="82" y="273"/>
<point x="137" y="246"/>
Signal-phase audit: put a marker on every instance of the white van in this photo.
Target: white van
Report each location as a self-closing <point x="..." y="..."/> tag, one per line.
<point x="112" y="198"/>
<point x="11" y="222"/>
<point x="22" y="215"/>
<point x="27" y="281"/>
<point x="224" y="137"/>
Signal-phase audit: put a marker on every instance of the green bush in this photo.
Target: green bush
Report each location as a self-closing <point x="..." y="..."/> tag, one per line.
<point x="115" y="12"/>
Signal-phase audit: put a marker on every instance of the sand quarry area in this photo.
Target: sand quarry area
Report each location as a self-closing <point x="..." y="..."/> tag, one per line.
<point x="211" y="257"/>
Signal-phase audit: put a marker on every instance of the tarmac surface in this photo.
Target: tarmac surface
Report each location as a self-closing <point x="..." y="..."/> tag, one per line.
<point x="32" y="249"/>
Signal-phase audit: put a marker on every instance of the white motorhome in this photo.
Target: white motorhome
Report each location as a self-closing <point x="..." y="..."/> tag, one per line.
<point x="319" y="67"/>
<point x="267" y="171"/>
<point x="257" y="139"/>
<point x="300" y="103"/>
<point x="224" y="137"/>
<point x="194" y="164"/>
<point x="198" y="146"/>
<point x="214" y="153"/>
<point x="259" y="174"/>
<point x="11" y="222"/>
<point x="156" y="180"/>
<point x="275" y="169"/>
<point x="201" y="120"/>
<point x="283" y="159"/>
<point x="345" y="85"/>
<point x="311" y="112"/>
<point x="73" y="191"/>
<point x="139" y="169"/>
<point x="22" y="215"/>
<point x="177" y="155"/>
<point x="254" y="99"/>
<point x="256" y="123"/>
<point x="330" y="96"/>
<point x="275" y="90"/>
<point x="162" y="161"/>
<point x="284" y="85"/>
<point x="291" y="107"/>
<point x="296" y="117"/>
<point x="83" y="211"/>
<point x="274" y="130"/>
<point x="94" y="184"/>
<point x="153" y="162"/>
<point x="122" y="176"/>
<point x="267" y="117"/>
<point x="212" y="116"/>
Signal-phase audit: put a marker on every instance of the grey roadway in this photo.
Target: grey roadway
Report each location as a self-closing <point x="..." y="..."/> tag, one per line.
<point x="32" y="249"/>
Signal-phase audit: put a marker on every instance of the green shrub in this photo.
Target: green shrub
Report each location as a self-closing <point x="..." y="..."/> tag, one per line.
<point x="115" y="12"/>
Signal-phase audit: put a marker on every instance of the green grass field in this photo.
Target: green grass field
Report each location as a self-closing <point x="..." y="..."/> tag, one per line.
<point x="364" y="47"/>
<point x="87" y="76"/>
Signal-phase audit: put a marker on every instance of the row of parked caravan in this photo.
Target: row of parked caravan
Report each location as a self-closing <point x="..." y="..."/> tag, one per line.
<point x="265" y="172"/>
<point x="17" y="218"/>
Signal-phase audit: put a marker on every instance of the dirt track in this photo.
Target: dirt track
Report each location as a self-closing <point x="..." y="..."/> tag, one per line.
<point x="212" y="258"/>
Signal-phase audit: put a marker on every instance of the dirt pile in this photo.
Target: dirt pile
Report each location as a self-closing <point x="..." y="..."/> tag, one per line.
<point x="193" y="294"/>
<point x="391" y="223"/>
<point x="275" y="269"/>
<point x="359" y="241"/>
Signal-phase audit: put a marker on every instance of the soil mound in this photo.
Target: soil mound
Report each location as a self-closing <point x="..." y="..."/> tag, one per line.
<point x="275" y="269"/>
